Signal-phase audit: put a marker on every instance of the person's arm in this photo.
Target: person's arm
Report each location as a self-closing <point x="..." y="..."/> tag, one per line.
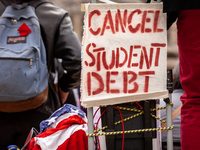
<point x="171" y="18"/>
<point x="63" y="95"/>
<point x="68" y="48"/>
<point x="171" y="7"/>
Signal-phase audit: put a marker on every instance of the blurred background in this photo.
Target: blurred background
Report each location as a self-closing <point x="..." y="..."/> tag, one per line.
<point x="74" y="9"/>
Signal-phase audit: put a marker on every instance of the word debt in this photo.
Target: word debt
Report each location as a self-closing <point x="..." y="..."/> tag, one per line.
<point x="136" y="56"/>
<point x="128" y="82"/>
<point x="148" y="21"/>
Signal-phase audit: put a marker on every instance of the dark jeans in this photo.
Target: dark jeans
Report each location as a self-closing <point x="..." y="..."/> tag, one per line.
<point x="15" y="127"/>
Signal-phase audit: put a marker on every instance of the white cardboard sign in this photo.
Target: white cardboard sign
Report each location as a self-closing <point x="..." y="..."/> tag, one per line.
<point x="124" y="53"/>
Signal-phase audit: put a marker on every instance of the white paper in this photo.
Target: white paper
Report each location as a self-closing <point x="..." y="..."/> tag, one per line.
<point x="124" y="53"/>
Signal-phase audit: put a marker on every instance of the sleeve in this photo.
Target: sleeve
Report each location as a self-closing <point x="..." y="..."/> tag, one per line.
<point x="171" y="18"/>
<point x="171" y="7"/>
<point x="68" y="49"/>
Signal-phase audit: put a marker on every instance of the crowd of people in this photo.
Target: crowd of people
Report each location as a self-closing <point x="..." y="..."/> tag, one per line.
<point x="61" y="42"/>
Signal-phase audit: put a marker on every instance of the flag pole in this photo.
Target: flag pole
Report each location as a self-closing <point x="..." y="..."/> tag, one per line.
<point x="169" y="110"/>
<point x="90" y="128"/>
<point x="90" y="120"/>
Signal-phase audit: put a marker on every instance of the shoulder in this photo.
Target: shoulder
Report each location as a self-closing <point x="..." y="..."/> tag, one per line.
<point x="50" y="15"/>
<point x="49" y="10"/>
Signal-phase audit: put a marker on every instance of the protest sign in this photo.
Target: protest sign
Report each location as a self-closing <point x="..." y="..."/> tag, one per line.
<point x="124" y="53"/>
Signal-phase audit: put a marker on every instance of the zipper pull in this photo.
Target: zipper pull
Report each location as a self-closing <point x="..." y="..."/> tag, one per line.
<point x="14" y="21"/>
<point x="31" y="63"/>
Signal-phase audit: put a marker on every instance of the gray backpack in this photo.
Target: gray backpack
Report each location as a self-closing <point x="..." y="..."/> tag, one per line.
<point x="23" y="68"/>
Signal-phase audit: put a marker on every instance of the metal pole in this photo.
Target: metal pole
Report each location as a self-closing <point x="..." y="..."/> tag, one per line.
<point x="169" y="110"/>
<point x="90" y="121"/>
<point x="90" y="128"/>
<point x="169" y="124"/>
<point x="169" y="107"/>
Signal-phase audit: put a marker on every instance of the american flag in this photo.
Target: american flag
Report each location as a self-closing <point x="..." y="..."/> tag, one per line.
<point x="65" y="129"/>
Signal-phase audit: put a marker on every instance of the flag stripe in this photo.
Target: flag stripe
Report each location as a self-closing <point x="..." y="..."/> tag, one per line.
<point x="65" y="129"/>
<point x="59" y="136"/>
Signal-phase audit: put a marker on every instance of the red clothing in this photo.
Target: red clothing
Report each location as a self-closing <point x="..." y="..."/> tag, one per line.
<point x="189" y="55"/>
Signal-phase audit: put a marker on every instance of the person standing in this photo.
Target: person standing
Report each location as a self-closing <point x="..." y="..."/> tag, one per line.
<point x="60" y="41"/>
<point x="187" y="13"/>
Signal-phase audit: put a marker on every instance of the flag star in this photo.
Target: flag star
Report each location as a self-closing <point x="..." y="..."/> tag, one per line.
<point x="51" y="120"/>
<point x="74" y="111"/>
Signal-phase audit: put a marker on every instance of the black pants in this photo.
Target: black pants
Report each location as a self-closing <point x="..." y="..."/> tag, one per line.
<point x="15" y="127"/>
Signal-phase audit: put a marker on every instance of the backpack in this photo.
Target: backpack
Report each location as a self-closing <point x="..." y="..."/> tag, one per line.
<point x="23" y="68"/>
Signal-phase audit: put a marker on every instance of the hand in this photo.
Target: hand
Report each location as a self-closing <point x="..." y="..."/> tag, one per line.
<point x="63" y="95"/>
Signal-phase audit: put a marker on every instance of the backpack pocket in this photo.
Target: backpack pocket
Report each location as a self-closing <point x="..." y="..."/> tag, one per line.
<point x="19" y="75"/>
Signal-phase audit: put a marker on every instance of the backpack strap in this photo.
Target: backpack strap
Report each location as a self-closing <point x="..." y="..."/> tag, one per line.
<point x="2" y="7"/>
<point x="6" y="2"/>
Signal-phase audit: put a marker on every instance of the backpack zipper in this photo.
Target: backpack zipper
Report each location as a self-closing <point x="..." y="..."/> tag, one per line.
<point x="25" y="59"/>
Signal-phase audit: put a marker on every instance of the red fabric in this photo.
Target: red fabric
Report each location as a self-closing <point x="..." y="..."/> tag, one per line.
<point x="77" y="141"/>
<point x="189" y="56"/>
<point x="24" y="30"/>
<point x="66" y="123"/>
<point x="62" y="137"/>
